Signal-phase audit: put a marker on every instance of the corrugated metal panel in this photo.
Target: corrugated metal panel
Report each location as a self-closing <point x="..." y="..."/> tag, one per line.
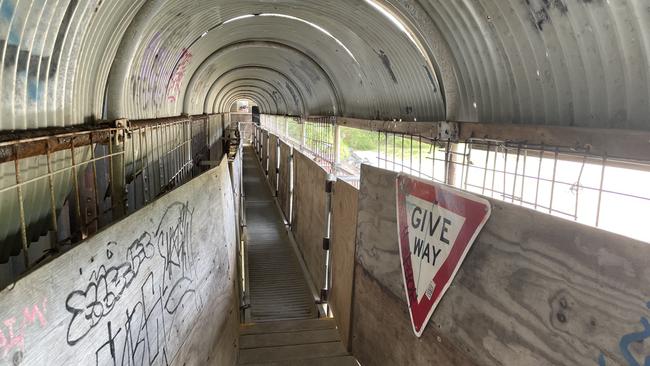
<point x="56" y="56"/>
<point x="554" y="62"/>
<point x="560" y="62"/>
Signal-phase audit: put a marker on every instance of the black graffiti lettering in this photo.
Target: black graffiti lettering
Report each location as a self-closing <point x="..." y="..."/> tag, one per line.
<point x="154" y="321"/>
<point x="139" y="336"/>
<point x="105" y="355"/>
<point x="141" y="250"/>
<point x="89" y="306"/>
<point x="173" y="237"/>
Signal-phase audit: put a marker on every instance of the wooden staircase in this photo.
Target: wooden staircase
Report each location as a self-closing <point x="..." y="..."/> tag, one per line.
<point x="313" y="342"/>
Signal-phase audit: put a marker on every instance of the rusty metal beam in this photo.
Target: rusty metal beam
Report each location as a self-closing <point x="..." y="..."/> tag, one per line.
<point x="616" y="144"/>
<point x="37" y="146"/>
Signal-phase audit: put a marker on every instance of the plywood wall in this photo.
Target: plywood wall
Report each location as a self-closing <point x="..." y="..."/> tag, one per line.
<point x="310" y="215"/>
<point x="265" y="151"/>
<point x="156" y="288"/>
<point x="343" y="235"/>
<point x="273" y="162"/>
<point x="284" y="193"/>
<point x="534" y="290"/>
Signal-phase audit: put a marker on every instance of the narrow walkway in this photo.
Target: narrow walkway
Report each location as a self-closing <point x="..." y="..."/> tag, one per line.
<point x="278" y="289"/>
<point x="282" y="328"/>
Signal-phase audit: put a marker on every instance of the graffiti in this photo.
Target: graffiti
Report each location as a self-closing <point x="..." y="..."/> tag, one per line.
<point x="161" y="262"/>
<point x="150" y="71"/>
<point x="630" y="339"/>
<point x="12" y="333"/>
<point x="32" y="70"/>
<point x="104" y="290"/>
<point x="139" y="340"/>
<point x="174" y="246"/>
<point x="179" y="74"/>
<point x="540" y="11"/>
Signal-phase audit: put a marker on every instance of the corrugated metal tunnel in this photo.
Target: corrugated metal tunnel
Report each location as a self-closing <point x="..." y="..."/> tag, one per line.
<point x="109" y="107"/>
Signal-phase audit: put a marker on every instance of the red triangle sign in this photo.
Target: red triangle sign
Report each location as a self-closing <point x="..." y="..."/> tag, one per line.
<point x="436" y="225"/>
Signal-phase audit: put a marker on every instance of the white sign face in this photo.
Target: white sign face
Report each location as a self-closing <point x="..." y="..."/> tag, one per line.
<point x="432" y="231"/>
<point x="437" y="226"/>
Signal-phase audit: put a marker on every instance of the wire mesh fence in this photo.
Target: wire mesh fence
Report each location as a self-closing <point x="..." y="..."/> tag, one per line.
<point x="312" y="136"/>
<point x="563" y="181"/>
<point x="90" y="179"/>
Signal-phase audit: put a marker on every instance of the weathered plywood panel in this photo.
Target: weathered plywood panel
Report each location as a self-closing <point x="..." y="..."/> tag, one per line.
<point x="143" y="291"/>
<point x="309" y="215"/>
<point x="265" y="150"/>
<point x="382" y="333"/>
<point x="284" y="186"/>
<point x="534" y="289"/>
<point x="273" y="162"/>
<point x="343" y="235"/>
<point x="236" y="170"/>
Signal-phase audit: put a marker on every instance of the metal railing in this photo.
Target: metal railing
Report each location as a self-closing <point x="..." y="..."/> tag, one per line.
<point x="58" y="189"/>
<point x="560" y="180"/>
<point x="312" y="136"/>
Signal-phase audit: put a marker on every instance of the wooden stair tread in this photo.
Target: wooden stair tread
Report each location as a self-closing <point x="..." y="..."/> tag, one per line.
<point x="292" y="353"/>
<point x="287" y="326"/>
<point x="288" y="338"/>
<point x="326" y="361"/>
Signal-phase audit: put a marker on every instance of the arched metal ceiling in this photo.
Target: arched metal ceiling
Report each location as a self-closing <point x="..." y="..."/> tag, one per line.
<point x="556" y="62"/>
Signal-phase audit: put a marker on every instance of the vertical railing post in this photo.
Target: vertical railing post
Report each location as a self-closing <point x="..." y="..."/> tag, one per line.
<point x="117" y="178"/>
<point x="337" y="147"/>
<point x="50" y="179"/>
<point x="303" y="132"/>
<point x="21" y="208"/>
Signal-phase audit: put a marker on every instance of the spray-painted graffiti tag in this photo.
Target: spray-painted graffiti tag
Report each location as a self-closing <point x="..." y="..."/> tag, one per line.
<point x="179" y="74"/>
<point x="630" y="339"/>
<point x="12" y="330"/>
<point x="156" y="280"/>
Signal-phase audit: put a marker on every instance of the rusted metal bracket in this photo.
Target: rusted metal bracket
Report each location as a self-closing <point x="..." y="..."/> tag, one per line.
<point x="449" y="131"/>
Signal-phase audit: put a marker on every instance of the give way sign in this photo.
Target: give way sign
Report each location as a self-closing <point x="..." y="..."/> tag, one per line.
<point x="437" y="226"/>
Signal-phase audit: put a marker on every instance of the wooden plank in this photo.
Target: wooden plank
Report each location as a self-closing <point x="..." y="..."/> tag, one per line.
<point x="429" y="129"/>
<point x="265" y="155"/>
<point x="285" y="176"/>
<point x="615" y="143"/>
<point x="162" y="278"/>
<point x="534" y="289"/>
<point x="287" y="339"/>
<point x="623" y="144"/>
<point x="285" y="353"/>
<point x="344" y="220"/>
<point x="326" y="361"/>
<point x="288" y="326"/>
<point x="273" y="162"/>
<point x="382" y="333"/>
<point x="310" y="215"/>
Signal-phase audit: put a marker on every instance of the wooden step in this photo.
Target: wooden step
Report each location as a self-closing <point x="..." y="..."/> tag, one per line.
<point x="288" y="339"/>
<point x="291" y="353"/>
<point x="327" y="361"/>
<point x="287" y="326"/>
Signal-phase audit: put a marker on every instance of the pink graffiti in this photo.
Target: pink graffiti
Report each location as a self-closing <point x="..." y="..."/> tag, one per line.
<point x="179" y="74"/>
<point x="150" y="66"/>
<point x="12" y="335"/>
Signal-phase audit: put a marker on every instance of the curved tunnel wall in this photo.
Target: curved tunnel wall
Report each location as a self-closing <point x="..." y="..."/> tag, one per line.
<point x="561" y="62"/>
